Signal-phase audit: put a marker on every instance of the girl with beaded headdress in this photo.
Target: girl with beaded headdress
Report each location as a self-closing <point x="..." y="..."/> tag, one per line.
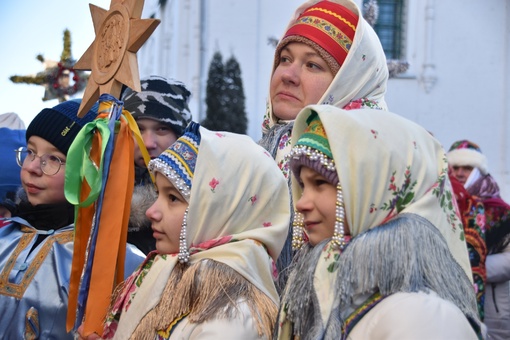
<point x="382" y="253"/>
<point x="220" y="221"/>
<point x="329" y="54"/>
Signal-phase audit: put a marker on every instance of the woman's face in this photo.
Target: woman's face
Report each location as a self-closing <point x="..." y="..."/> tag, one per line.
<point x="462" y="172"/>
<point x="300" y="79"/>
<point x="42" y="188"/>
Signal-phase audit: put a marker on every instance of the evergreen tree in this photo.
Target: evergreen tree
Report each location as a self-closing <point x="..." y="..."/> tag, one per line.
<point x="225" y="97"/>
<point x="215" y="90"/>
<point x="234" y="94"/>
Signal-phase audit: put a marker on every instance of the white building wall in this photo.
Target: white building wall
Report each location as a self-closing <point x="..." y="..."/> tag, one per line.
<point x="183" y="45"/>
<point x="470" y="55"/>
<point x="457" y="85"/>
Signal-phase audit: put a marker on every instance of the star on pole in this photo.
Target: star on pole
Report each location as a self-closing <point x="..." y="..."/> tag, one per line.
<point x="59" y="78"/>
<point x="112" y="55"/>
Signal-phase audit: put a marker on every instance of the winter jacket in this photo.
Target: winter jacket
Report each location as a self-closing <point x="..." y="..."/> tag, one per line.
<point x="36" y="251"/>
<point x="497" y="295"/>
<point x="417" y="316"/>
<point x="139" y="229"/>
<point x="241" y="327"/>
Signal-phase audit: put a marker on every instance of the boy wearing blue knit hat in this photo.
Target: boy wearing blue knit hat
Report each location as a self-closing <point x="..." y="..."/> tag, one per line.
<point x="36" y="244"/>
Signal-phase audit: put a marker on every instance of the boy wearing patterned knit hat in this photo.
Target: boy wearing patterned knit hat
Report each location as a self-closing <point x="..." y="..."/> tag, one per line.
<point x="162" y="113"/>
<point x="380" y="250"/>
<point x="36" y="245"/>
<point x="470" y="167"/>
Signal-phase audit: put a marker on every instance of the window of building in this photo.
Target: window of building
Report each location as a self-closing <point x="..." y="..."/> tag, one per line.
<point x="389" y="26"/>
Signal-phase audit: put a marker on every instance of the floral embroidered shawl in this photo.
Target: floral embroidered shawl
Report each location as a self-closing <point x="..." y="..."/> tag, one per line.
<point x="472" y="213"/>
<point x="387" y="166"/>
<point x="238" y="215"/>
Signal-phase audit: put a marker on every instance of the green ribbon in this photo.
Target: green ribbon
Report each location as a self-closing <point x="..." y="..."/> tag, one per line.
<point x="79" y="165"/>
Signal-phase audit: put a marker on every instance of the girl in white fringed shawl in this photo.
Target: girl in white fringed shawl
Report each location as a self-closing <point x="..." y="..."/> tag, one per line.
<point x="219" y="221"/>
<point x="382" y="253"/>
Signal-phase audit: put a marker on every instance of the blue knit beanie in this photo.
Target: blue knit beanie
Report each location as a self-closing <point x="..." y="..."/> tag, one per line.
<point x="60" y="124"/>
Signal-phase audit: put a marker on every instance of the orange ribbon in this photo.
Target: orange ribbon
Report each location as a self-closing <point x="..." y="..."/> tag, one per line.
<point x="110" y="248"/>
<point x="112" y="237"/>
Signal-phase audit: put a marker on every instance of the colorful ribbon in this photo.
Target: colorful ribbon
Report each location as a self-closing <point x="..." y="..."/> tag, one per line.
<point x="99" y="182"/>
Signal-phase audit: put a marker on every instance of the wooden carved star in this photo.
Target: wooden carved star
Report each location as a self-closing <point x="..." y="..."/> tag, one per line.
<point x="112" y="56"/>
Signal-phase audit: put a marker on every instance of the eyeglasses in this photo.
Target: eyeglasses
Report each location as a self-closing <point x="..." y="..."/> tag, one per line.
<point x="49" y="164"/>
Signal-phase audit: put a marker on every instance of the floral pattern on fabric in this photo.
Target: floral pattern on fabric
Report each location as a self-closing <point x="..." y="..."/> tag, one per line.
<point x="211" y="244"/>
<point x="274" y="271"/>
<point x="266" y="122"/>
<point x="445" y="198"/>
<point x="497" y="213"/>
<point x="252" y="199"/>
<point x="332" y="256"/>
<point x="329" y="100"/>
<point x="284" y="141"/>
<point x="472" y="212"/>
<point x="474" y="223"/>
<point x="362" y="103"/>
<point x="127" y="294"/>
<point x="403" y="196"/>
<point x="284" y="167"/>
<point x="327" y="28"/>
<point x="213" y="184"/>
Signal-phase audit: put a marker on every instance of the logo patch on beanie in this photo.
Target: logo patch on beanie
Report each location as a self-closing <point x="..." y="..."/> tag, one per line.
<point x="66" y="130"/>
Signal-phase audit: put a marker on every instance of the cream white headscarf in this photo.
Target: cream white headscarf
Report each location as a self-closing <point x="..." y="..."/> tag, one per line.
<point x="362" y="79"/>
<point x="388" y="167"/>
<point x="238" y="215"/>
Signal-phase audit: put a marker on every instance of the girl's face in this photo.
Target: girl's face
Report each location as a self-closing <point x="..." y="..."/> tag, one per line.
<point x="42" y="188"/>
<point x="318" y="206"/>
<point x="300" y="79"/>
<point x="166" y="215"/>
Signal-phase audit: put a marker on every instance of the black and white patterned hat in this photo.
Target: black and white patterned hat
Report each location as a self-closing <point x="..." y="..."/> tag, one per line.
<point x="164" y="100"/>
